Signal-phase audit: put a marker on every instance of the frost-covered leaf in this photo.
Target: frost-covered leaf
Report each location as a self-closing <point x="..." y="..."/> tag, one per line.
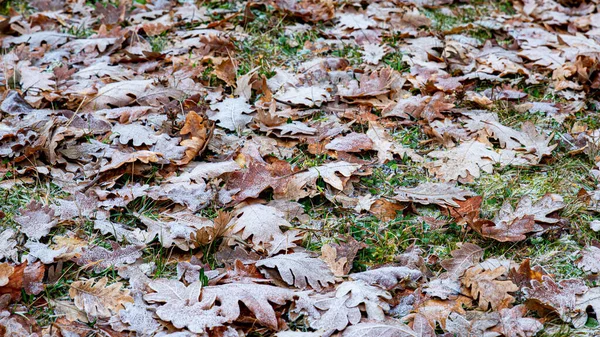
<point x="465" y="161"/>
<point x="427" y="193"/>
<point x="590" y="259"/>
<point x="256" y="297"/>
<point x="8" y="244"/>
<point x="384" y="329"/>
<point x="488" y="288"/>
<point x="231" y="113"/>
<point x="99" y="258"/>
<point x="388" y="277"/>
<point x="299" y="270"/>
<point x="258" y="221"/>
<point x="97" y="299"/>
<point x="36" y="220"/>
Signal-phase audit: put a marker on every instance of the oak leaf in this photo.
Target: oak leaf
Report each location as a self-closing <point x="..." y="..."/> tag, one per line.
<point x="590" y="259"/>
<point x="391" y="329"/>
<point x="97" y="299"/>
<point x="462" y="259"/>
<point x="299" y="270"/>
<point x="465" y="161"/>
<point x="442" y="194"/>
<point x="256" y="297"/>
<point x="36" y="220"/>
<point x="388" y="277"/>
<point x="486" y="286"/>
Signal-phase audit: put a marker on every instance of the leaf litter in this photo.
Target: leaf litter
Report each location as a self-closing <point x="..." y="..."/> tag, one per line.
<point x="299" y="168"/>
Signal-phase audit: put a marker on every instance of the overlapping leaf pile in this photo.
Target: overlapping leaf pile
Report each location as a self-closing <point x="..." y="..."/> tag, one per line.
<point x="91" y="106"/>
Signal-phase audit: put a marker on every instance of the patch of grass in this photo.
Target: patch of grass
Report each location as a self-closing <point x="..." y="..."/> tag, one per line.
<point x="564" y="177"/>
<point x="158" y="42"/>
<point x="394" y="61"/>
<point x="349" y="52"/>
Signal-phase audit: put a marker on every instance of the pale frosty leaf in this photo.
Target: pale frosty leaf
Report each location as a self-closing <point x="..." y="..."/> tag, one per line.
<point x="259" y="221"/>
<point x="256" y="297"/>
<point x="361" y="293"/>
<point x="120" y="94"/>
<point x="388" y="277"/>
<point x="8" y="245"/>
<point x="478" y="326"/>
<point x="120" y="232"/>
<point x="139" y="318"/>
<point x="294" y="128"/>
<point x="80" y="205"/>
<point x="466" y="160"/>
<point x="595" y="225"/>
<point x="43" y="252"/>
<point x="299" y="334"/>
<point x="427" y="193"/>
<point x="590" y="259"/>
<point x="97" y="299"/>
<point x="37" y="39"/>
<point x="549" y="203"/>
<point x="284" y="242"/>
<point x="300" y="270"/>
<point x="512" y="322"/>
<point x="337" y="315"/>
<point x="443" y="288"/>
<point x="231" y="113"/>
<point x="372" y="53"/>
<point x="462" y="259"/>
<point x="590" y="299"/>
<point x="139" y="134"/>
<point x="33" y="79"/>
<point x="528" y="140"/>
<point x="329" y="172"/>
<point x="173" y="291"/>
<point x="197" y="317"/>
<point x="180" y="231"/>
<point x="78" y="45"/>
<point x="207" y="170"/>
<point x="352" y="142"/>
<point x="36" y="220"/>
<point x="99" y="258"/>
<point x="384" y="329"/>
<point x="101" y="69"/>
<point x="308" y="96"/>
<point x="356" y="21"/>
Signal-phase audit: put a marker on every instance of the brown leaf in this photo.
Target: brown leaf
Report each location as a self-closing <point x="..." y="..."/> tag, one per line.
<point x="525" y="274"/>
<point x="385" y="210"/>
<point x="196" y="131"/>
<point x="512" y="225"/>
<point x="97" y="299"/>
<point x="560" y="297"/>
<point x="462" y="259"/>
<point x="309" y="10"/>
<point x="488" y="288"/>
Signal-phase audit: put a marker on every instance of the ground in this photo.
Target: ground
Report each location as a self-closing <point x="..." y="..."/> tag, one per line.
<point x="317" y="148"/>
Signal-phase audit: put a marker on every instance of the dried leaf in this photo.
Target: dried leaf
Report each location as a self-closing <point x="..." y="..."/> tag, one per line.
<point x="299" y="270"/>
<point x="97" y="299"/>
